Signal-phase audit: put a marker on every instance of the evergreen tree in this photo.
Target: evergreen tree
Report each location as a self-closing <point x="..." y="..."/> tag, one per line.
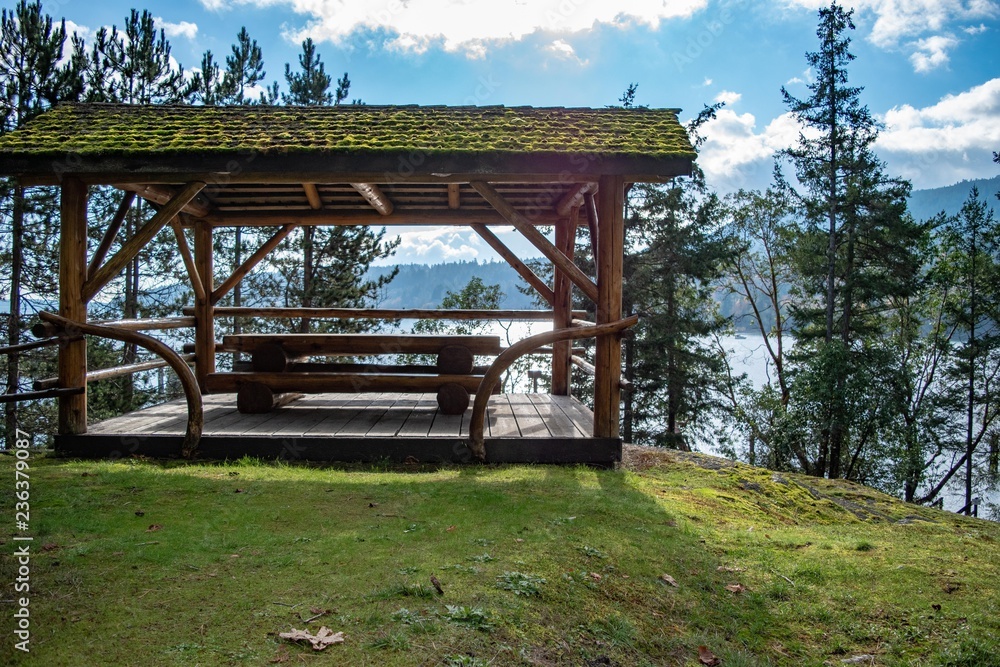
<point x="35" y="72"/>
<point x="244" y="69"/>
<point x="334" y="260"/>
<point x="857" y="246"/>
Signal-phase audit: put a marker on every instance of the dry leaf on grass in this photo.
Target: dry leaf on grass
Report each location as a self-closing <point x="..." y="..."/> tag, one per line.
<point x="736" y="588"/>
<point x="728" y="568"/>
<point x="153" y="528"/>
<point x="437" y="585"/>
<point x="706" y="657"/>
<point x="319" y="641"/>
<point x="670" y="580"/>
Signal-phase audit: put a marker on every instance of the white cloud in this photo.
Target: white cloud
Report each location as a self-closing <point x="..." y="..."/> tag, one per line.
<point x="945" y="142"/>
<point x="462" y="25"/>
<point x="707" y="82"/>
<point x="932" y="52"/>
<point x="736" y="155"/>
<point x="728" y="97"/>
<point x="913" y="23"/>
<point x="181" y="29"/>
<point x="85" y="33"/>
<point x="807" y="77"/>
<point x="431" y="245"/>
<point x="975" y="29"/>
<point x="563" y="50"/>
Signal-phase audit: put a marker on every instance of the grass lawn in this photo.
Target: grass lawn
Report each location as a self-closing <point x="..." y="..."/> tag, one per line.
<point x="153" y="563"/>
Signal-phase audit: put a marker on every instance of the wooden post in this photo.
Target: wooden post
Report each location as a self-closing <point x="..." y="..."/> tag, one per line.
<point x="608" y="357"/>
<point x="72" y="272"/>
<point x="204" y="309"/>
<point x="563" y="306"/>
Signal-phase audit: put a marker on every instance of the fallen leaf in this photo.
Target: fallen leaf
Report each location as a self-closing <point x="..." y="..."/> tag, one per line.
<point x="239" y="490"/>
<point x="317" y="610"/>
<point x="319" y="641"/>
<point x="936" y="607"/>
<point x="670" y="580"/>
<point x="140" y="513"/>
<point x="372" y="504"/>
<point x="727" y="568"/>
<point x="736" y="588"/>
<point x="449" y="529"/>
<point x="706" y="657"/>
<point x="51" y="546"/>
<point x="859" y="659"/>
<point x="437" y="585"/>
<point x="153" y="528"/>
<point x="596" y="577"/>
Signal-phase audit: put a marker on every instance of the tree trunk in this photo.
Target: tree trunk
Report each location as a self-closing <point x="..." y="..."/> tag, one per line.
<point x="308" y="235"/>
<point x="628" y="411"/>
<point x="14" y="317"/>
<point x="973" y="344"/>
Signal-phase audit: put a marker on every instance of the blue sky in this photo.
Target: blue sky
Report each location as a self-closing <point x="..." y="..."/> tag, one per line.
<point x="930" y="68"/>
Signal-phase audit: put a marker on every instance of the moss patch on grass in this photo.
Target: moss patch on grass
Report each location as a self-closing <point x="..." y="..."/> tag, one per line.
<point x="139" y="562"/>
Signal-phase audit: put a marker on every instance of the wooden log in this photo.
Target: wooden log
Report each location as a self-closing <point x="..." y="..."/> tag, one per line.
<point x="253" y="260"/>
<point x="583" y="365"/>
<point x="199" y="206"/>
<point x="60" y="393"/>
<point x="515" y="352"/>
<point x="42" y="329"/>
<point x="144" y="235"/>
<point x="591" y="204"/>
<point x="563" y="306"/>
<point x="197" y="285"/>
<point x="385" y="313"/>
<point x="361" y="344"/>
<point x="455" y="360"/>
<point x="608" y="354"/>
<point x="574" y="198"/>
<point x="204" y="333"/>
<point x="112" y="231"/>
<point x="73" y="304"/>
<point x="270" y="357"/>
<point x="340" y="382"/>
<point x="515" y="262"/>
<point x="312" y="195"/>
<point x="254" y="398"/>
<point x="453" y="399"/>
<point x="536" y="238"/>
<point x="196" y="418"/>
<point x="33" y="345"/>
<point x="374" y="196"/>
<point x="454" y="196"/>
<point x="305" y="218"/>
<point x="112" y="372"/>
<point x="360" y="368"/>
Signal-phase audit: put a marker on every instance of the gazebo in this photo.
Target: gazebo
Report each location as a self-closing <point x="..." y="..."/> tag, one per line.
<point x="212" y="169"/>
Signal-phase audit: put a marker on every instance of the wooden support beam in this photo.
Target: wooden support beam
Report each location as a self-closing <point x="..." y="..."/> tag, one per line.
<point x="522" y="269"/>
<point x="220" y="383"/>
<point x="362" y="344"/>
<point x="535" y="237"/>
<point x="42" y="329"/>
<point x="113" y="372"/>
<point x="112" y="231"/>
<point x="182" y="245"/>
<point x="312" y="194"/>
<point x="399" y="216"/>
<point x="199" y="206"/>
<point x="454" y="198"/>
<point x="574" y="198"/>
<point x="251" y="261"/>
<point x="374" y="196"/>
<point x="591" y="204"/>
<point x="131" y="248"/>
<point x="385" y="313"/>
<point x="73" y="304"/>
<point x="608" y="356"/>
<point x="204" y="332"/>
<point x="563" y="307"/>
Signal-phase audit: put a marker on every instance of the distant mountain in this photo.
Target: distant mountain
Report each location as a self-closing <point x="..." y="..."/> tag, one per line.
<point x="425" y="285"/>
<point x="925" y="204"/>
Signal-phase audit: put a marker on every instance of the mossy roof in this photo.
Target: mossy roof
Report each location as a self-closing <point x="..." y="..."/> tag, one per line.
<point x="108" y="136"/>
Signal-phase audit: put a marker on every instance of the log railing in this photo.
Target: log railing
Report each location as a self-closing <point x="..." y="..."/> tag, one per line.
<point x="195" y="421"/>
<point x="41" y="392"/>
<point x="515" y="352"/>
<point x="383" y="313"/>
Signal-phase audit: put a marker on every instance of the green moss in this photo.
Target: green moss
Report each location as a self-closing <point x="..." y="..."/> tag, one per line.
<point x="108" y="129"/>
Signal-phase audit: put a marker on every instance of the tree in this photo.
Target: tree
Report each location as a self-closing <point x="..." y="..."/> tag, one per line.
<point x="857" y="245"/>
<point x="244" y="69"/>
<point x="331" y="271"/>
<point x="35" y="73"/>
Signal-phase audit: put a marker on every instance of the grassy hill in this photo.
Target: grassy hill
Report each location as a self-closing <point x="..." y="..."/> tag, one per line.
<point x="146" y="563"/>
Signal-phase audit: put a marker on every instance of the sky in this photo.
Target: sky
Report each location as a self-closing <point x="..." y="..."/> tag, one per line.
<point x="930" y="68"/>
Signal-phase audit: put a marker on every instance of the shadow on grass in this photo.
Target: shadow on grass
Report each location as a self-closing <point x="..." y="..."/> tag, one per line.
<point x="148" y="563"/>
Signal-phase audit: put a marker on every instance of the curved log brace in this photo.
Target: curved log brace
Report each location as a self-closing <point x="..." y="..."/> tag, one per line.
<point x="520" y="349"/>
<point x="196" y="419"/>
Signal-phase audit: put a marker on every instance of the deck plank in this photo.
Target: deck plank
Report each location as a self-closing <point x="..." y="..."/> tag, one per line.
<point x="529" y="422"/>
<point x="500" y="418"/>
<point x="418" y="422"/>
<point x="558" y="423"/>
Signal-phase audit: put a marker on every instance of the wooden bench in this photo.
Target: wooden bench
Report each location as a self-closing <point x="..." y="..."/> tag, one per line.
<point x="281" y="367"/>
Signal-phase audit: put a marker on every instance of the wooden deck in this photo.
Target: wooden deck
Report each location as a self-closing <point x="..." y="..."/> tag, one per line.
<point x="520" y="428"/>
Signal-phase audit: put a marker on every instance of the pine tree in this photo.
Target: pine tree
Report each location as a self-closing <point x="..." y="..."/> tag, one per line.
<point x="244" y="69"/>
<point x="857" y="246"/>
<point x="33" y="76"/>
